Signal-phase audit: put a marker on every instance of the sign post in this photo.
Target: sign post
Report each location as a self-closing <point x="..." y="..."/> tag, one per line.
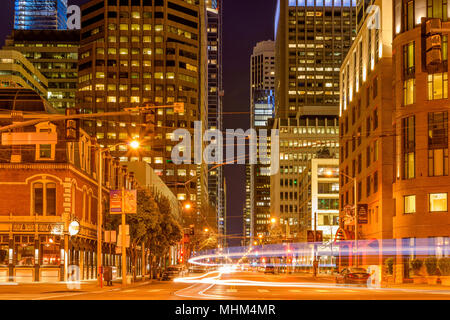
<point x="123" y="202"/>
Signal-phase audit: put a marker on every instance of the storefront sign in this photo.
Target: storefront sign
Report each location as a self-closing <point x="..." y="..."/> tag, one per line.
<point x="74" y="228"/>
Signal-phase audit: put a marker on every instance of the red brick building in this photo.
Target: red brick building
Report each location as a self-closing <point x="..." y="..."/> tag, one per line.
<point x="43" y="188"/>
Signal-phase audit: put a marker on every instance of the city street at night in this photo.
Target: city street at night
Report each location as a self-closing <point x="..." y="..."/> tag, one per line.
<point x="272" y="287"/>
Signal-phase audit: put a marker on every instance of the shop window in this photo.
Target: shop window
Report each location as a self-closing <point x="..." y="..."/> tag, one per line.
<point x="438" y="202"/>
<point x="50" y="250"/>
<point x="24" y="250"/>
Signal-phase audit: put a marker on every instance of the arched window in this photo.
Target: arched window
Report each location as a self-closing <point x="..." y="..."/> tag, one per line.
<point x="44" y="199"/>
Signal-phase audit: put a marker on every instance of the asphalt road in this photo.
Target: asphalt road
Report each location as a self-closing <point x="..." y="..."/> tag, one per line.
<point x="235" y="286"/>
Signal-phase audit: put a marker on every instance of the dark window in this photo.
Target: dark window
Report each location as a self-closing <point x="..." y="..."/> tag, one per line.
<point x="39" y="199"/>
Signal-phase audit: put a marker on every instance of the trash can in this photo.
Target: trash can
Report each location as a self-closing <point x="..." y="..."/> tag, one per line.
<point x="108" y="276"/>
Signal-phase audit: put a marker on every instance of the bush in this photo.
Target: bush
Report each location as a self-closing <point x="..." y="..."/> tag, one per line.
<point x="431" y="265"/>
<point x="416" y="264"/>
<point x="444" y="266"/>
<point x="389" y="265"/>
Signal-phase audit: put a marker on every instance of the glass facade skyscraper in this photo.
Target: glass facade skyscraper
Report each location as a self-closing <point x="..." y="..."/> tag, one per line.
<point x="40" y="15"/>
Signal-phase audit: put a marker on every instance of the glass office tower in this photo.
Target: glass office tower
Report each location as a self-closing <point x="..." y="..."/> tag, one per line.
<point x="40" y="15"/>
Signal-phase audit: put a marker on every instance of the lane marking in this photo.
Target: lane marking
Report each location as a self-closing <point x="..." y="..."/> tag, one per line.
<point x="155" y="290"/>
<point x="231" y="290"/>
<point x="263" y="290"/>
<point x="132" y="290"/>
<point x="322" y="290"/>
<point x="296" y="291"/>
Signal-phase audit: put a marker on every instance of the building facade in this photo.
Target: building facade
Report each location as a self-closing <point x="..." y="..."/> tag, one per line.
<point x="138" y="53"/>
<point x="301" y="140"/>
<point x="216" y="188"/>
<point x="319" y="199"/>
<point x="421" y="177"/>
<point x="40" y="15"/>
<point x="55" y="54"/>
<point x="262" y="108"/>
<point x="312" y="38"/>
<point x="46" y="185"/>
<point x="17" y="71"/>
<point x="366" y="136"/>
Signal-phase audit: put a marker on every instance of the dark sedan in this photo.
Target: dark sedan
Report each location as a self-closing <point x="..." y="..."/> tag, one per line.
<point x="353" y="276"/>
<point x="173" y="272"/>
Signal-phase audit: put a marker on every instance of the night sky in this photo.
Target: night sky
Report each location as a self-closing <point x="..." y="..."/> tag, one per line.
<point x="246" y="22"/>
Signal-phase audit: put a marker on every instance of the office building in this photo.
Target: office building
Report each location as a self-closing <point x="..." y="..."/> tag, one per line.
<point x="17" y="72"/>
<point x="215" y="105"/>
<point x="138" y="53"/>
<point x="312" y="38"/>
<point x="319" y="199"/>
<point x="301" y="140"/>
<point x="262" y="104"/>
<point x="40" y="15"/>
<point x="55" y="54"/>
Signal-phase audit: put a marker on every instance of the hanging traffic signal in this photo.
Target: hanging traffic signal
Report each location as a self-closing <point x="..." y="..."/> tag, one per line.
<point x="72" y="127"/>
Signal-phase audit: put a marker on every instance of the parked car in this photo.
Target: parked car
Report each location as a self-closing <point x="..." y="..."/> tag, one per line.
<point x="174" y="272"/>
<point x="353" y="276"/>
<point x="269" y="269"/>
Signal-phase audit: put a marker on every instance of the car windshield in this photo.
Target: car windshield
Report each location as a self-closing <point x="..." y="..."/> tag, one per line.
<point x="358" y="270"/>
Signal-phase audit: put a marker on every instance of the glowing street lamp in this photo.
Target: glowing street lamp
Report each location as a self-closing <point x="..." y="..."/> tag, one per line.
<point x="273" y="221"/>
<point x="134" y="144"/>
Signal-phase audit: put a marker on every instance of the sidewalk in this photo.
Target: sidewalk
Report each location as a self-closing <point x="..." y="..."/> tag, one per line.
<point x="82" y="286"/>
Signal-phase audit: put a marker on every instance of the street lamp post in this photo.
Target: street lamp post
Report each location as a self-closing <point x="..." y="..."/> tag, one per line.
<point x="134" y="145"/>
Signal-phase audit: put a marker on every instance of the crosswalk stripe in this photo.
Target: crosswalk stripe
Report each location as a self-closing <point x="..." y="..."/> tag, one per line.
<point x="349" y="291"/>
<point x="263" y="290"/>
<point x="126" y="291"/>
<point x="295" y="291"/>
<point x="231" y="290"/>
<point x="154" y="290"/>
<point x="322" y="290"/>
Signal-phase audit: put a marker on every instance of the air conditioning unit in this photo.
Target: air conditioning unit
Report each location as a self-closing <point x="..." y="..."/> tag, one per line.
<point x="434" y="57"/>
<point x="432" y="24"/>
<point x="434" y="42"/>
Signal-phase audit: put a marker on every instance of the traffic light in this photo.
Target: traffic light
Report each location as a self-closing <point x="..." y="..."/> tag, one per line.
<point x="72" y="127"/>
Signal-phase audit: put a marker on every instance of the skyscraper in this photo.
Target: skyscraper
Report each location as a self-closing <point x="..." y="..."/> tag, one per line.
<point x="312" y="39"/>
<point x="139" y="52"/>
<point x="215" y="104"/>
<point x="40" y="15"/>
<point x="262" y="105"/>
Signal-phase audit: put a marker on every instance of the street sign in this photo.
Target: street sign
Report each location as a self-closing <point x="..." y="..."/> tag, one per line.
<point x="127" y="230"/>
<point x="110" y="236"/>
<point x="363" y="217"/>
<point x="28" y="138"/>
<point x="127" y="242"/>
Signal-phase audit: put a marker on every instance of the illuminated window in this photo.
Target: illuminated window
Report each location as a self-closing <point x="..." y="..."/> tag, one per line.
<point x="409" y="204"/>
<point x="438" y="202"/>
<point x="123" y="26"/>
<point x="181" y="196"/>
<point x="409" y="147"/>
<point x="158" y="160"/>
<point x="123" y="51"/>
<point x="438" y="86"/>
<point x="438" y="144"/>
<point x="409" y="92"/>
<point x="437" y="9"/>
